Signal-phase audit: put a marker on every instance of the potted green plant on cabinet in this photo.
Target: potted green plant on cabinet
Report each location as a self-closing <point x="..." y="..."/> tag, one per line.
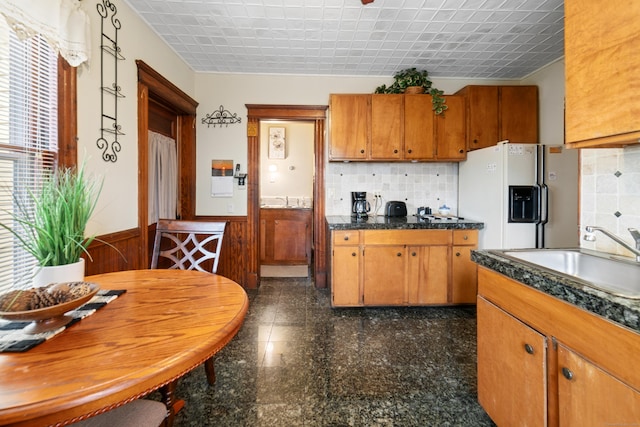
<point x="412" y="80"/>
<point x="50" y="223"/>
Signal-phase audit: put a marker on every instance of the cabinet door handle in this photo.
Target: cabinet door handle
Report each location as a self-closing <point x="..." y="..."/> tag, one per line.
<point x="566" y="372"/>
<point x="461" y="151"/>
<point x="361" y="151"/>
<point x="457" y="253"/>
<point x="465" y="237"/>
<point x="413" y="254"/>
<point x="395" y="151"/>
<point x="399" y="254"/>
<point x="346" y="237"/>
<point x="475" y="141"/>
<point x="353" y="254"/>
<point x="528" y="348"/>
<point x="409" y="151"/>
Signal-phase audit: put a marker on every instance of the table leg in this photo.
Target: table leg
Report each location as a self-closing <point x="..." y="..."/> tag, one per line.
<point x="210" y="371"/>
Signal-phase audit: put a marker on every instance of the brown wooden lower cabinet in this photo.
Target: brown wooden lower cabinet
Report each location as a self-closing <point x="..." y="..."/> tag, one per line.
<point x="512" y="368"/>
<point x="285" y="236"/>
<point x="545" y="362"/>
<point x="402" y="267"/>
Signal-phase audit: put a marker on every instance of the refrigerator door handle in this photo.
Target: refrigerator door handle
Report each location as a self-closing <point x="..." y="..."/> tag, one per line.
<point x="538" y="222"/>
<point x="544" y="208"/>
<point x="539" y="204"/>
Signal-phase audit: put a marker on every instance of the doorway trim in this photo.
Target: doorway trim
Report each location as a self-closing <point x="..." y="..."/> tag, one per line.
<point x="153" y="86"/>
<point x="310" y="113"/>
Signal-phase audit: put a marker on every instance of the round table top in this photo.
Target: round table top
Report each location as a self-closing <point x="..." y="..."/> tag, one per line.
<point x="167" y="323"/>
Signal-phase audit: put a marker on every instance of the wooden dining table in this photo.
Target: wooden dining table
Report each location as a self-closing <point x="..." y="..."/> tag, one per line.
<point x="167" y="323"/>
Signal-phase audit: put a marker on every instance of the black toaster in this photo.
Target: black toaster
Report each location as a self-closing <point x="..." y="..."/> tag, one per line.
<point x="395" y="208"/>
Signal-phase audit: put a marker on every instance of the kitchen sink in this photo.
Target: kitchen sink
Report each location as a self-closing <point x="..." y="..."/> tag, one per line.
<point x="599" y="270"/>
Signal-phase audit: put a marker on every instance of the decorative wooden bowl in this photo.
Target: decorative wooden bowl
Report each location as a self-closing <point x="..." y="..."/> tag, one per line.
<point x="53" y="317"/>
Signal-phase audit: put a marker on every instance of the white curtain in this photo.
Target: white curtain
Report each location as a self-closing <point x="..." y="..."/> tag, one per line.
<point x="62" y="23"/>
<point x="163" y="177"/>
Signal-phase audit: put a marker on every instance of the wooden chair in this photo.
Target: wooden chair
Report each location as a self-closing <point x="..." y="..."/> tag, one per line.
<point x="191" y="243"/>
<point x="187" y="245"/>
<point x="138" y="413"/>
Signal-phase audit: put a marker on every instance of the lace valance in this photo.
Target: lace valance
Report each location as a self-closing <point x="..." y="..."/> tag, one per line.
<point x="62" y="23"/>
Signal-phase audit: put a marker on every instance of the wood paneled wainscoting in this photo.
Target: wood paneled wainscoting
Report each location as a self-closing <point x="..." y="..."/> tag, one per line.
<point x="233" y="255"/>
<point x="106" y="259"/>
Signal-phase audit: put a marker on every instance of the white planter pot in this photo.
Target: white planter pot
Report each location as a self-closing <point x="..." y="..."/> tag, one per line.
<point x="59" y="274"/>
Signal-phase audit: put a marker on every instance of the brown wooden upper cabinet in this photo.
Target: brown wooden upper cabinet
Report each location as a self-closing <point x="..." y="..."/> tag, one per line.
<point x="350" y="126"/>
<point x="395" y="128"/>
<point x="450" y="133"/>
<point x="602" y="58"/>
<point x="496" y="113"/>
<point x="387" y="127"/>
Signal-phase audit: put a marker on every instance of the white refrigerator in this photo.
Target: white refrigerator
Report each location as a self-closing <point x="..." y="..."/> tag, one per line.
<point x="525" y="194"/>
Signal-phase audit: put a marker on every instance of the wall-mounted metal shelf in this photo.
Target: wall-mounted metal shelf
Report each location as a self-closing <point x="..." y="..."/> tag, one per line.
<point x="110" y="55"/>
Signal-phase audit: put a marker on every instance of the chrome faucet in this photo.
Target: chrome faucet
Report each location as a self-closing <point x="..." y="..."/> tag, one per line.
<point x="285" y="200"/>
<point x="634" y="233"/>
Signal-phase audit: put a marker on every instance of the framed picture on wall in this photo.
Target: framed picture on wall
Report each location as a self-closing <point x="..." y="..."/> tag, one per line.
<point x="277" y="143"/>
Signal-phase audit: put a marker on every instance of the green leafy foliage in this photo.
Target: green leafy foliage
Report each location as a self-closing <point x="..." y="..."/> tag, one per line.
<point x="414" y="77"/>
<point x="54" y="231"/>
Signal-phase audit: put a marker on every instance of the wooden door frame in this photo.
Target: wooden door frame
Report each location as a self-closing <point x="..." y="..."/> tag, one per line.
<point x="153" y="86"/>
<point x="310" y="113"/>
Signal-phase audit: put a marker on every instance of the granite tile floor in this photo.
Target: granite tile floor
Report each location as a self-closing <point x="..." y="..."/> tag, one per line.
<point x="298" y="362"/>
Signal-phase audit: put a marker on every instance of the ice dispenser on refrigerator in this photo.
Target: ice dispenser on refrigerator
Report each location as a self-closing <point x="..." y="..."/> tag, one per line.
<point x="525" y="194"/>
<point x="523" y="203"/>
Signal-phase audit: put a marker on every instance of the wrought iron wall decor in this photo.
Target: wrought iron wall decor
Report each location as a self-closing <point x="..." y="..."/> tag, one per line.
<point x="221" y="117"/>
<point x="109" y="93"/>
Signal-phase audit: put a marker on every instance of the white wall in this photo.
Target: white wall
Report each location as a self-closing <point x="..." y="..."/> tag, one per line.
<point x="550" y="81"/>
<point x="603" y="193"/>
<point x="294" y="175"/>
<point x="118" y="204"/>
<point x="234" y="91"/>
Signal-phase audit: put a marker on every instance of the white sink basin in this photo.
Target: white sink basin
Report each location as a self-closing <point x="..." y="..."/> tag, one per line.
<point x="595" y="269"/>
<point x="283" y="207"/>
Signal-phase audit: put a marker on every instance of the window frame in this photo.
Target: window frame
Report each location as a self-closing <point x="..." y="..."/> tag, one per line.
<point x="67" y="114"/>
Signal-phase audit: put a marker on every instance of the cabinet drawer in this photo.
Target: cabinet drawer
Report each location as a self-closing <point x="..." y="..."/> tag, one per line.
<point x="465" y="237"/>
<point x="346" y="237"/>
<point x="407" y="237"/>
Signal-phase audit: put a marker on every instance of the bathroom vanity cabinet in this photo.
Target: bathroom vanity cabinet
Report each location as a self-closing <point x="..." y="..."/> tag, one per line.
<point x="285" y="236"/>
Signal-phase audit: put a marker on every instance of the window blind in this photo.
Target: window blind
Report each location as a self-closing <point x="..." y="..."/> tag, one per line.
<point x="28" y="139"/>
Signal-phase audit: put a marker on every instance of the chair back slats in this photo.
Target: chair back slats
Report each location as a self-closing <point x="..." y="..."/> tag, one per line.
<point x="187" y="245"/>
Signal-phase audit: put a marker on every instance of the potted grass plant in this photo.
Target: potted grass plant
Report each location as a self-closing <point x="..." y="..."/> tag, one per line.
<point x="414" y="81"/>
<point x="50" y="223"/>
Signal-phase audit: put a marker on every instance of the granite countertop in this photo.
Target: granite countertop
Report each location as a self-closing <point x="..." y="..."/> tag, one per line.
<point x="625" y="311"/>
<point x="411" y="222"/>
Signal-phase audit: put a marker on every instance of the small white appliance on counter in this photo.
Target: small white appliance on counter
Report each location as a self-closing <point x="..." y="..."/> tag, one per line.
<point x="525" y="194"/>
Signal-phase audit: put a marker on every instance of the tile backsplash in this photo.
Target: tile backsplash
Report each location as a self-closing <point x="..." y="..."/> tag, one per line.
<point x="610" y="194"/>
<point x="417" y="184"/>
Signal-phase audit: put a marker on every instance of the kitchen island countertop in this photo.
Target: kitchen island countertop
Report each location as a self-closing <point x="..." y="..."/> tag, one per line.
<point x="624" y="311"/>
<point x="412" y="222"/>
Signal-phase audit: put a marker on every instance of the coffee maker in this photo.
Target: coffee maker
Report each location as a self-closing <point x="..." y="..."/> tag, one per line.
<point x="360" y="207"/>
